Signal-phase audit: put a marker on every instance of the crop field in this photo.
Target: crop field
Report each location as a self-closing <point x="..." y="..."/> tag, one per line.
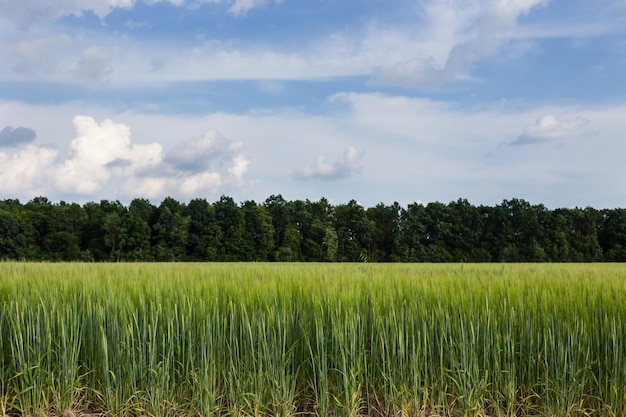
<point x="312" y="339"/>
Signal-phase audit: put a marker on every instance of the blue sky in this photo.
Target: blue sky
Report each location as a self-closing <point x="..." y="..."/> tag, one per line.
<point x="377" y="101"/>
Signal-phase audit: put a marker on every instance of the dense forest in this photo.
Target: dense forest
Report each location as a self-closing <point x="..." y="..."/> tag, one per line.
<point x="280" y="230"/>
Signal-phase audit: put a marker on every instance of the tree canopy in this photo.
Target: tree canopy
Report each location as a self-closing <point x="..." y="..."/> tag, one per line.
<point x="308" y="231"/>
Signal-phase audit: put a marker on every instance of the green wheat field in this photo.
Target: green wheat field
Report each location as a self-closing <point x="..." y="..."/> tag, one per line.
<point x="260" y="339"/>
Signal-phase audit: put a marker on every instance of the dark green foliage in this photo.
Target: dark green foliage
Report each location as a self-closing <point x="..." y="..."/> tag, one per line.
<point x="258" y="233"/>
<point x="354" y="232"/>
<point x="12" y="237"/>
<point x="293" y="231"/>
<point x="230" y="220"/>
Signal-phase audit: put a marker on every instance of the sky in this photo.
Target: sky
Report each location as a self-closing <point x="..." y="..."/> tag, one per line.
<point x="368" y="100"/>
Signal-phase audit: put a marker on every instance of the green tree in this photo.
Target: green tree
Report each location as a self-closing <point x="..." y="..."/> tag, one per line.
<point x="133" y="239"/>
<point x="55" y="231"/>
<point x="170" y="231"/>
<point x="276" y="206"/>
<point x="572" y="235"/>
<point x="438" y="233"/>
<point x="259" y="232"/>
<point x="612" y="234"/>
<point x="201" y="216"/>
<point x="320" y="242"/>
<point x="230" y="220"/>
<point x="557" y="237"/>
<point x="289" y="250"/>
<point x="354" y="232"/>
<point x="301" y="218"/>
<point x="385" y="232"/>
<point x="12" y="237"/>
<point x="330" y="244"/>
<point x="514" y="231"/>
<point x="65" y="234"/>
<point x="99" y="234"/>
<point x="466" y="228"/>
<point x="584" y="236"/>
<point x="413" y="232"/>
<point x="143" y="209"/>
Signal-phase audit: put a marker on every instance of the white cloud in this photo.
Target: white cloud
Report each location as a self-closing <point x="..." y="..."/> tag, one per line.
<point x="342" y="168"/>
<point x="439" y="47"/>
<point x="178" y="186"/>
<point x="100" y="151"/>
<point x="417" y="149"/>
<point x="201" y="183"/>
<point x="472" y="29"/>
<point x="195" y="167"/>
<point x="211" y="151"/>
<point x="454" y="34"/>
<point x="24" y="172"/>
<point x="549" y="127"/>
<point x="238" y="169"/>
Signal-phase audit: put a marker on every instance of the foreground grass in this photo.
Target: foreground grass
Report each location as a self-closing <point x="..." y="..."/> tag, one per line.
<point x="321" y="339"/>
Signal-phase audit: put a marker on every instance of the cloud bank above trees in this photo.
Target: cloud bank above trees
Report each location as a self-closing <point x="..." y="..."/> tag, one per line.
<point x="404" y="100"/>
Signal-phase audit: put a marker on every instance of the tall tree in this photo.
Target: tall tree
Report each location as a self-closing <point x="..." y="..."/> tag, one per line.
<point x="438" y="233"/>
<point x="170" y="231"/>
<point x="12" y="237"/>
<point x="230" y="220"/>
<point x="133" y="239"/>
<point x="613" y="234"/>
<point x="413" y="232"/>
<point x="276" y="206"/>
<point x="385" y="222"/>
<point x="201" y="217"/>
<point x="320" y="242"/>
<point x="354" y="232"/>
<point x="514" y="231"/>
<point x="99" y="234"/>
<point x="557" y="238"/>
<point x="258" y="232"/>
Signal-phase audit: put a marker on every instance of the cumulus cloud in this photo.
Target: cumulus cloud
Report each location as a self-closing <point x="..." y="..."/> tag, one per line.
<point x="103" y="160"/>
<point x="100" y="151"/>
<point x="10" y="136"/>
<point x="237" y="170"/>
<point x="211" y="151"/>
<point x="474" y="29"/>
<point x="25" y="171"/>
<point x="159" y="186"/>
<point x="549" y="127"/>
<point x="342" y="168"/>
<point x="195" y="167"/>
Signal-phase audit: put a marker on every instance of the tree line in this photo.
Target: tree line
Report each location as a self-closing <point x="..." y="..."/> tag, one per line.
<point x="309" y="231"/>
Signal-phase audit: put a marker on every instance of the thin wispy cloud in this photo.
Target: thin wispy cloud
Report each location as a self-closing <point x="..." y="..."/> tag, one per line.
<point x="242" y="7"/>
<point x="475" y="29"/>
